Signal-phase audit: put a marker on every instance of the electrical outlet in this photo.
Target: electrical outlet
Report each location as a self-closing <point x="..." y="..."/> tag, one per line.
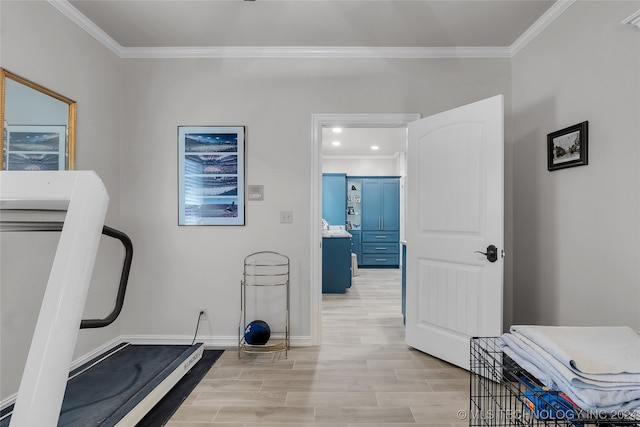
<point x="203" y="315"/>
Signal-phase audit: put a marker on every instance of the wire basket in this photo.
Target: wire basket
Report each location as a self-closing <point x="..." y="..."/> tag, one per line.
<point x="504" y="394"/>
<point x="264" y="274"/>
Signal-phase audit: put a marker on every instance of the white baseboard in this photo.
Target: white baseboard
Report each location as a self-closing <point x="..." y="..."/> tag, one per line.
<point x="209" y="341"/>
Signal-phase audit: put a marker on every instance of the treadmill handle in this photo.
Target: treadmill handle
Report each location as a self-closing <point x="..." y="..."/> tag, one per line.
<point x="122" y="287"/>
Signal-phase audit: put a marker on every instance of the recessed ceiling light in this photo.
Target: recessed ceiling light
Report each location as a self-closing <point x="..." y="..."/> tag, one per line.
<point x="375" y="147"/>
<point x="335" y="143"/>
<point x="336" y="130"/>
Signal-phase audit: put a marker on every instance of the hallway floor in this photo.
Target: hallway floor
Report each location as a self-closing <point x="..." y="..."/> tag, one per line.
<point x="363" y="374"/>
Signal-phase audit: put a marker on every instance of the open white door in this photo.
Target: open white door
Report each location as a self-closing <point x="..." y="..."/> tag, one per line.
<point x="455" y="204"/>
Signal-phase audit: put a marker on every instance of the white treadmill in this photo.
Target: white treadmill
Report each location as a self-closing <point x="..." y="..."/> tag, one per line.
<point x="117" y="388"/>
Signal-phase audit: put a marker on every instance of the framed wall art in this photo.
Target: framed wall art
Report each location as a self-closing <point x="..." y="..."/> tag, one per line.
<point x="211" y="175"/>
<point x="35" y="148"/>
<point x="568" y="147"/>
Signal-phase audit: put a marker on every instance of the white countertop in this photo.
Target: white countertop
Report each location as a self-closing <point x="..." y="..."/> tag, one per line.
<point x="332" y="234"/>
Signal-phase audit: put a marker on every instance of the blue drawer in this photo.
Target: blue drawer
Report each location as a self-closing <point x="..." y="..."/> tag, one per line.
<point x="370" y="259"/>
<point x="380" y="236"/>
<point x="380" y="248"/>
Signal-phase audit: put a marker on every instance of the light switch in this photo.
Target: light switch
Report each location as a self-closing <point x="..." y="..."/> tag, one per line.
<point x="286" y="217"/>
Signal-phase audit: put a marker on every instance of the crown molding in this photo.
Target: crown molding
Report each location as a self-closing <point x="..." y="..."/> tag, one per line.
<point x="86" y="24"/>
<point x="317" y="52"/>
<point x="543" y="22"/>
<point x="634" y="19"/>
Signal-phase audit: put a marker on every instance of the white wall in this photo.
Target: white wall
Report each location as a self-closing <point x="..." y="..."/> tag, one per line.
<point x="42" y="45"/>
<point x="128" y="113"/>
<point x="576" y="231"/>
<point x="181" y="268"/>
<point x="370" y="166"/>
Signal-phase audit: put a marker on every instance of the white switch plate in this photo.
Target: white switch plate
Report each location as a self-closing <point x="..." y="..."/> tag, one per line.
<point x="286" y="217"/>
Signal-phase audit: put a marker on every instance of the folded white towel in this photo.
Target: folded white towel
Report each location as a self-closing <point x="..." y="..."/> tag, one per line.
<point x="588" y="350"/>
<point x="555" y="375"/>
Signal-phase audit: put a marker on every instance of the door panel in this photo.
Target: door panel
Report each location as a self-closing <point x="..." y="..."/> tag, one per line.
<point x="454" y="209"/>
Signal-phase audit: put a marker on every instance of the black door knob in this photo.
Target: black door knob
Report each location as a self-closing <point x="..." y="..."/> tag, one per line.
<point x="491" y="254"/>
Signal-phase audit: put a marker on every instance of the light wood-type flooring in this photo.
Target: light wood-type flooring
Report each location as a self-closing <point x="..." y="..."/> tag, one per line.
<point x="363" y="374"/>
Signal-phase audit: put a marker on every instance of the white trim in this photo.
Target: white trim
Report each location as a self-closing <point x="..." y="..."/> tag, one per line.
<point x="318" y="121"/>
<point x="210" y="341"/>
<point x="320" y="52"/>
<point x="543" y="22"/>
<point x="633" y="19"/>
<point x="68" y="10"/>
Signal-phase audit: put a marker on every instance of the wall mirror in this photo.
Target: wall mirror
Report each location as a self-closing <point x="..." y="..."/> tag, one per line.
<point x="39" y="126"/>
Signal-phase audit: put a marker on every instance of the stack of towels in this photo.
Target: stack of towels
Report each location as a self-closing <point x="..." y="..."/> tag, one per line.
<point x="596" y="367"/>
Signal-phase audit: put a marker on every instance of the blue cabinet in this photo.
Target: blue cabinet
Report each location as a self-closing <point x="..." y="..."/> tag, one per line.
<point x="334" y="198"/>
<point x="381" y="204"/>
<point x="356" y="246"/>
<point x="380" y="222"/>
<point x="336" y="265"/>
<point x="370" y="207"/>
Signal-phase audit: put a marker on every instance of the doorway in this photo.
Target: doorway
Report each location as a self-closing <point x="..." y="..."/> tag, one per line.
<point x="320" y="121"/>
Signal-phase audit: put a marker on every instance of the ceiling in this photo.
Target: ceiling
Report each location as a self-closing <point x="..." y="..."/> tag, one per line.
<point x="382" y="24"/>
<point x="357" y="142"/>
<point x="321" y="28"/>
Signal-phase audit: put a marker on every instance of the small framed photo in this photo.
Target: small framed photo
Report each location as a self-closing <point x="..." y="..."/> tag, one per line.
<point x="211" y="175"/>
<point x="568" y="147"/>
<point x="36" y="148"/>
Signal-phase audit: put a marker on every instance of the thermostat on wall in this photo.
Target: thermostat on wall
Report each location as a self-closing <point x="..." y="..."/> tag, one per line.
<point x="255" y="192"/>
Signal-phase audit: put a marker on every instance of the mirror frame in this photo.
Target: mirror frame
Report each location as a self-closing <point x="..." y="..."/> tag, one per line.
<point x="71" y="121"/>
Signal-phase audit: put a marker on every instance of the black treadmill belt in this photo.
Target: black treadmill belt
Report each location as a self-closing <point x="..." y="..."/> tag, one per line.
<point x="106" y="392"/>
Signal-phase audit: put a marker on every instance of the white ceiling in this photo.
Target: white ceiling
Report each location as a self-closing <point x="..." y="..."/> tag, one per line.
<point x="133" y="26"/>
<point x="321" y="28"/>
<point x="357" y="142"/>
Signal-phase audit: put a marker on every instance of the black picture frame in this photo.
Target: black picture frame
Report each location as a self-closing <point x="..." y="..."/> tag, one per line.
<point x="211" y="175"/>
<point x="568" y="147"/>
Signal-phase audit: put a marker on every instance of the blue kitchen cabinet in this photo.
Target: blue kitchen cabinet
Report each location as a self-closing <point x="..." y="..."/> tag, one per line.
<point x="336" y="265"/>
<point x="356" y="246"/>
<point x="381" y="204"/>
<point x="380" y="234"/>
<point x="334" y="198"/>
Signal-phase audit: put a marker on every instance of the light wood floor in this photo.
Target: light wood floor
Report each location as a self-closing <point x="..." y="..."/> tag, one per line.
<point x="363" y="374"/>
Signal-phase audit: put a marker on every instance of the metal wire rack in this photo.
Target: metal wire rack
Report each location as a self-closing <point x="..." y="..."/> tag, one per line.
<point x="264" y="272"/>
<point x="504" y="394"/>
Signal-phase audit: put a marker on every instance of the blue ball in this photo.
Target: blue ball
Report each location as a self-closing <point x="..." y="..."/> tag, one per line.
<point x="257" y="333"/>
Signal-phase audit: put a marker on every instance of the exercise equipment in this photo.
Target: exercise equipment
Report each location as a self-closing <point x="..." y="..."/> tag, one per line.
<point x="118" y="387"/>
<point x="257" y="333"/>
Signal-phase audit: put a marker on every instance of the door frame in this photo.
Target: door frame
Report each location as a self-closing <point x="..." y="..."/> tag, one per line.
<point x="318" y="121"/>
